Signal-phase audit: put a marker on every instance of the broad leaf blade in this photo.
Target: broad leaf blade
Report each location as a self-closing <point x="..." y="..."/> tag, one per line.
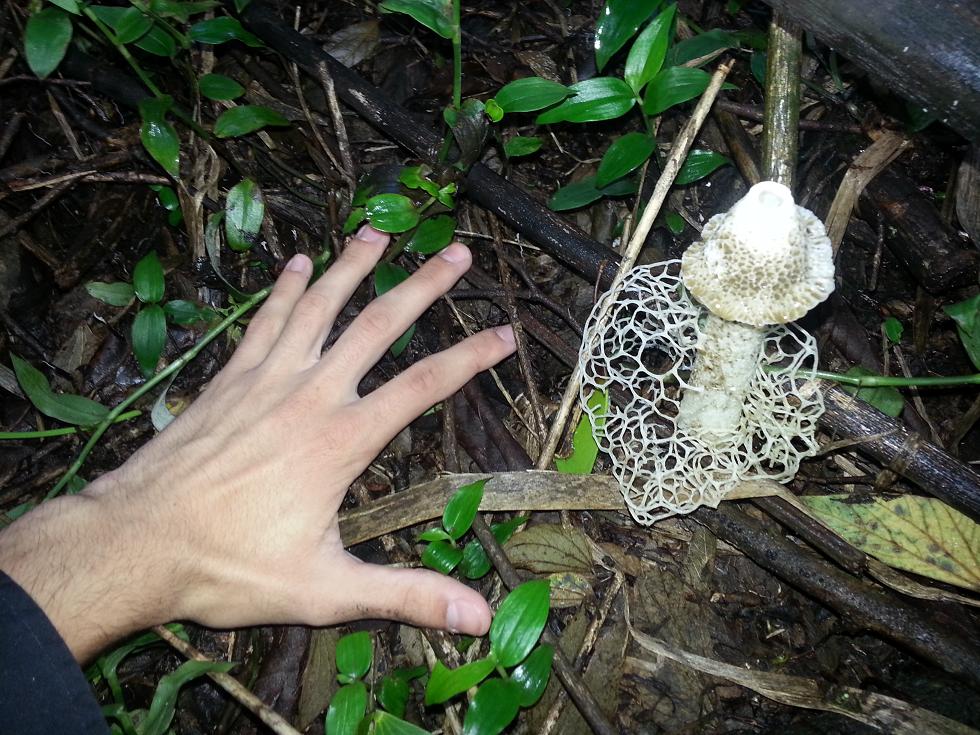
<point x="601" y="98"/>
<point x="384" y="723"/>
<point x="220" y="30"/>
<point x="585" y="192"/>
<point x="920" y="535"/>
<point x="522" y="145"/>
<point x="347" y="709"/>
<point x="158" y="136"/>
<point x="445" y="683"/>
<point x="162" y="708"/>
<point x="354" y="654"/>
<point x="886" y="399"/>
<point x="118" y="293"/>
<point x="391" y="212"/>
<point x="966" y="314"/>
<point x="701" y="47"/>
<point x="672" y="86"/>
<point x="148" y="279"/>
<point x="393" y="694"/>
<point x="149" y="335"/>
<point x="220" y="87"/>
<point x="646" y="57"/>
<point x="617" y="23"/>
<point x="530" y="94"/>
<point x="386" y="277"/>
<point x="531" y="677"/>
<point x="246" y="119"/>
<point x="46" y="38"/>
<point x="699" y="164"/>
<point x="624" y="155"/>
<point x="461" y="509"/>
<point x="432" y="235"/>
<point x="494" y="707"/>
<point x="519" y="621"/>
<point x="441" y="556"/>
<point x="244" y="211"/>
<point x="71" y="409"/>
<point x="436" y="15"/>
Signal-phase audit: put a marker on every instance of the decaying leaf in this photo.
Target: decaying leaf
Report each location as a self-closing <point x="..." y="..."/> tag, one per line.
<point x="569" y="589"/>
<point x="550" y="548"/>
<point x="355" y="43"/>
<point x="917" y="534"/>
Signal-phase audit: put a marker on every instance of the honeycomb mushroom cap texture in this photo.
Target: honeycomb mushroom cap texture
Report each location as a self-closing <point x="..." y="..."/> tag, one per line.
<point x="765" y="261"/>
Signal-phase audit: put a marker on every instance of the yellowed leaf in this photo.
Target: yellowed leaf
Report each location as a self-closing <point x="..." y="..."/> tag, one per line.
<point x="569" y="589"/>
<point x="917" y="534"/>
<point x="550" y="548"/>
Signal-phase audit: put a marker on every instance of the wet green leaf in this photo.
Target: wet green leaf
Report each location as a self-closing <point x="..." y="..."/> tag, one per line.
<point x="149" y="335"/>
<point x="386" y="277"/>
<point x="415" y="178"/>
<point x="445" y="683"/>
<point x="384" y="723"/>
<point x="244" y="212"/>
<point x="347" y="709"/>
<point x="441" y="556"/>
<point x="585" y="191"/>
<point x="46" y="38"/>
<point x="494" y="111"/>
<point x="918" y="534"/>
<point x="182" y="11"/>
<point x="119" y="293"/>
<point x="675" y="223"/>
<point x="246" y="119"/>
<point x="893" y="329"/>
<point x="220" y="87"/>
<point x="757" y="64"/>
<point x="699" y="164"/>
<point x="494" y="707"/>
<point x="70" y="5"/>
<point x="432" y="235"/>
<point x="646" y="56"/>
<point x="221" y="30"/>
<point x="133" y="24"/>
<point x="518" y="623"/>
<point x="148" y="279"/>
<point x="158" y="136"/>
<point x="672" y="86"/>
<point x="435" y="534"/>
<point x="584" y="447"/>
<point x="354" y="654"/>
<point x="76" y="410"/>
<point x="531" y="677"/>
<point x="966" y="314"/>
<point x="180" y="311"/>
<point x="161" y="711"/>
<point x="700" y="46"/>
<point x="886" y="399"/>
<point x="393" y="694"/>
<point x="392" y="212"/>
<point x="522" y="145"/>
<point x="158" y="42"/>
<point x="436" y="15"/>
<point x="475" y="562"/>
<point x="530" y="94"/>
<point x="626" y="154"/>
<point x="600" y="98"/>
<point x="617" y="23"/>
<point x="461" y="509"/>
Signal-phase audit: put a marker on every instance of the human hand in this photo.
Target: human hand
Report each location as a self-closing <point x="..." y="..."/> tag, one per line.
<point x="229" y="516"/>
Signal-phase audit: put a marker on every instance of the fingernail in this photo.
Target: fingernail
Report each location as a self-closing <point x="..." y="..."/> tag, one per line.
<point x="463" y="617"/>
<point x="455" y="253"/>
<point x="298" y="263"/>
<point x="506" y="334"/>
<point x="369" y="234"/>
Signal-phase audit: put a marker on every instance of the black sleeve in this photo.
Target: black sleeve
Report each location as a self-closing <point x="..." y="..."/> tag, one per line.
<point x="42" y="689"/>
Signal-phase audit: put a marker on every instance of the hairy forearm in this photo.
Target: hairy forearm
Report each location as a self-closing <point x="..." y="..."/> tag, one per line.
<point x="84" y="565"/>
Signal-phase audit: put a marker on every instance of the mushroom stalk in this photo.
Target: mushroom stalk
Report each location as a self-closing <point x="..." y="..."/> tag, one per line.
<point x="727" y="360"/>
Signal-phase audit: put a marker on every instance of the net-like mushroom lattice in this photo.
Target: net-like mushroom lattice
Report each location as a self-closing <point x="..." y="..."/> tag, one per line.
<point x="643" y="356"/>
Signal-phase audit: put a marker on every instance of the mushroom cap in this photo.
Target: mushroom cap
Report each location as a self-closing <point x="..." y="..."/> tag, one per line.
<point x="765" y="261"/>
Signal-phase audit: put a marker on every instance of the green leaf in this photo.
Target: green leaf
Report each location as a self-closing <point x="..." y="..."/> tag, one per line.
<point x="893" y="329"/>
<point x="519" y="621"/>
<point x="108" y="664"/>
<point x="432" y="235"/>
<point x="392" y="212"/>
<point x="646" y="57"/>
<point x="347" y="709"/>
<point x="584" y="447"/>
<point x="435" y="534"/>
<point x="699" y="164"/>
<point x="393" y="694"/>
<point x="530" y="94"/>
<point x="445" y="683"/>
<point x="624" y="155"/>
<point x="148" y="279"/>
<point x="494" y="111"/>
<point x="220" y="30"/>
<point x="531" y="677"/>
<point x="118" y="293"/>
<point x="461" y="508"/>
<point x="966" y="314"/>
<point x="522" y="145"/>
<point x="46" y="39"/>
<point x="158" y="136"/>
<point x="355" y="218"/>
<point x="149" y="335"/>
<point x="436" y="15"/>
<point x="133" y="24"/>
<point x="600" y="98"/>
<point x="71" y="409"/>
<point x="244" y="212"/>
<point x="475" y="562"/>
<point x="445" y="195"/>
<point x="918" y="534"/>
<point x="384" y="723"/>
<point x="673" y="86"/>
<point x="886" y="399"/>
<point x="158" y="42"/>
<point x="182" y="312"/>
<point x="162" y="707"/>
<point x="675" y="223"/>
<point x="246" y="119"/>
<point x="700" y="46"/>
<point x="354" y="654"/>
<point x="585" y="192"/>
<point x="441" y="556"/>
<point x="386" y="277"/>
<point x="413" y="178"/>
<point x="220" y="87"/>
<point x="494" y="707"/>
<point x="70" y="5"/>
<point x="617" y="23"/>
<point x="182" y="11"/>
<point x="757" y="64"/>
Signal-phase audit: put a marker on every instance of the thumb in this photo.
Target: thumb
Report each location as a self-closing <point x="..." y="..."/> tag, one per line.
<point x="417" y="596"/>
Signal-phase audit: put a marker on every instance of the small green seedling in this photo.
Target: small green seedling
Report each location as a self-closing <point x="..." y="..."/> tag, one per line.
<point x="443" y="552"/>
<point x="522" y="667"/>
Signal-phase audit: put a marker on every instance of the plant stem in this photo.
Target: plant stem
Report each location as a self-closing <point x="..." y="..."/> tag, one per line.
<point x="149" y="385"/>
<point x="886" y="381"/>
<point x="59" y="432"/>
<point x="123" y="51"/>
<point x="457" y="55"/>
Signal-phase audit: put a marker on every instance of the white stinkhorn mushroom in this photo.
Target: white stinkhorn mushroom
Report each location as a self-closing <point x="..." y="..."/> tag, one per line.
<point x="712" y="385"/>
